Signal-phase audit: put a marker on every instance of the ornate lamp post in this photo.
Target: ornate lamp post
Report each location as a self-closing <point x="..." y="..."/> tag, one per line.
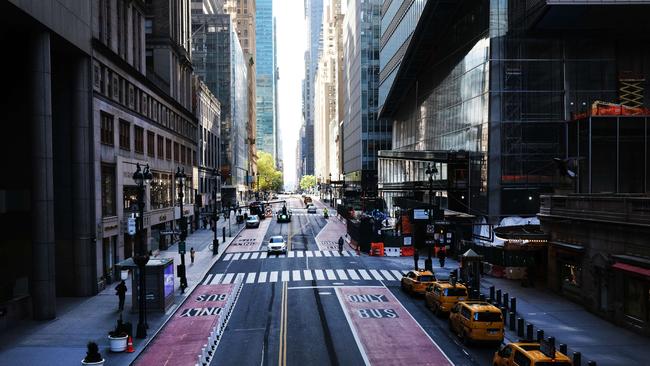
<point x="180" y="181"/>
<point x="430" y="172"/>
<point x="141" y="178"/>
<point x="215" y="217"/>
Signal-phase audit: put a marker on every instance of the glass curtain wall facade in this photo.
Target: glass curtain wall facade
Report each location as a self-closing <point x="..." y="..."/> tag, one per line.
<point x="265" y="61"/>
<point x="314" y="18"/>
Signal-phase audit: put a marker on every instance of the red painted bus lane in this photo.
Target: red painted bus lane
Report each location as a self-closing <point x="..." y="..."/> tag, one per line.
<point x="385" y="332"/>
<point x="181" y="339"/>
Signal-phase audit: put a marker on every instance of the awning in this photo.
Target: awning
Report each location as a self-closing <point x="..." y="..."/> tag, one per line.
<point x="572" y="247"/>
<point x="632" y="269"/>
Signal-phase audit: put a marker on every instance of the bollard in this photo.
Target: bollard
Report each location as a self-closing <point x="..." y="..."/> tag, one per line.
<point x="577" y="359"/>
<point x="492" y="294"/>
<point x="520" y="327"/>
<point x="551" y="342"/>
<point x="591" y="363"/>
<point x="505" y="300"/>
<point x="563" y="348"/>
<point x="223" y="233"/>
<point x="540" y="335"/>
<point x="498" y="298"/>
<point x="529" y="332"/>
<point x="215" y="246"/>
<point x="511" y="321"/>
<point x="481" y="297"/>
<point x="513" y="305"/>
<point x="504" y="314"/>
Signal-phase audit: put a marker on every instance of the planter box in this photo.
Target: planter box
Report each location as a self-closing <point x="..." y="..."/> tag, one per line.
<point x="118" y="344"/>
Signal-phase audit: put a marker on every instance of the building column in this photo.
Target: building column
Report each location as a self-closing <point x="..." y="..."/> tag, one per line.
<point x="84" y="242"/>
<point x="43" y="249"/>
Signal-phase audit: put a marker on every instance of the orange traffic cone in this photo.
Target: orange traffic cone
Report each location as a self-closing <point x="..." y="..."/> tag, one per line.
<point x="129" y="345"/>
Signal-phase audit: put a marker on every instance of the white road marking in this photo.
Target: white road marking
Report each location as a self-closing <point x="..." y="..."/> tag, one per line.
<point x="327" y="253"/>
<point x="376" y="275"/>
<point x="336" y="254"/>
<point x="292" y="254"/>
<point x="353" y="274"/>
<point x="285" y="276"/>
<point x="255" y="255"/>
<point x="330" y="274"/>
<point x="324" y="293"/>
<point x="319" y="274"/>
<point x="227" y="257"/>
<point x="346" y="253"/>
<point x="387" y="275"/>
<point x="250" y="278"/>
<point x="245" y="256"/>
<point x="397" y="274"/>
<point x="239" y="277"/>
<point x="207" y="279"/>
<point x="274" y="276"/>
<point x="317" y="253"/>
<point x="342" y="275"/>
<point x="228" y="278"/>
<point x="353" y="329"/>
<point x="263" y="255"/>
<point x="364" y="274"/>
<point x="300" y="254"/>
<point x="236" y="256"/>
<point x="309" y="253"/>
<point x="262" y="277"/>
<point x="307" y="275"/>
<point x="216" y="279"/>
<point x="296" y="275"/>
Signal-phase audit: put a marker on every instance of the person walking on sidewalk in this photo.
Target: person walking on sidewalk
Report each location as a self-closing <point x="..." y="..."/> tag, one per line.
<point x="120" y="291"/>
<point x="341" y="241"/>
<point x="192" y="254"/>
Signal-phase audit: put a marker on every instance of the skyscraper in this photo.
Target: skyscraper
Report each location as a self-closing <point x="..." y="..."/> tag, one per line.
<point x="265" y="55"/>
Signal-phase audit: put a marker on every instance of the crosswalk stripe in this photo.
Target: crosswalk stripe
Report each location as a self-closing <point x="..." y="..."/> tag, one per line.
<point x="255" y="255"/>
<point x="296" y="275"/>
<point x="364" y="274"/>
<point x="262" y="277"/>
<point x="336" y="254"/>
<point x="397" y="274"/>
<point x="346" y="253"/>
<point x="250" y="278"/>
<point x="292" y="254"/>
<point x="327" y="253"/>
<point x="216" y="279"/>
<point x="330" y="274"/>
<point x="353" y="274"/>
<point x="236" y="256"/>
<point x="376" y="275"/>
<point x="341" y="274"/>
<point x="387" y="275"/>
<point x="208" y="278"/>
<point x="264" y="255"/>
<point x="227" y="257"/>
<point x="300" y="254"/>
<point x="309" y="253"/>
<point x="274" y="276"/>
<point x="318" y="253"/>
<point x="307" y="275"/>
<point x="239" y="277"/>
<point x="245" y="256"/>
<point x="228" y="278"/>
<point x="285" y="276"/>
<point x="319" y="274"/>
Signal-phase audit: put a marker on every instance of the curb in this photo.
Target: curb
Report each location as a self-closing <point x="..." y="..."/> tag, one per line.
<point x="153" y="335"/>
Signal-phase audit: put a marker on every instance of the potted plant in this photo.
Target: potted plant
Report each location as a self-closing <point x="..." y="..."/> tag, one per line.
<point x="118" y="337"/>
<point x="92" y="355"/>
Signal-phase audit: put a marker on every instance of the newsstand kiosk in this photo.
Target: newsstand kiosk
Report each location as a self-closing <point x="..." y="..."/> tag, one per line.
<point x="159" y="281"/>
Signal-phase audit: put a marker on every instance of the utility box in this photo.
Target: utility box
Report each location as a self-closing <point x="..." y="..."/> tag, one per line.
<point x="159" y="283"/>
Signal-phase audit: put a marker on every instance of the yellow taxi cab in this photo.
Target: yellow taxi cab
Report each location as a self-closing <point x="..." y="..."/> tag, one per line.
<point x="442" y="296"/>
<point x="416" y="282"/>
<point x="529" y="354"/>
<point x="476" y="321"/>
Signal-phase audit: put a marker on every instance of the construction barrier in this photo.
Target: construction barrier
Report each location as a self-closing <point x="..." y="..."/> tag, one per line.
<point x="407" y="251"/>
<point x="392" y="252"/>
<point x="377" y="249"/>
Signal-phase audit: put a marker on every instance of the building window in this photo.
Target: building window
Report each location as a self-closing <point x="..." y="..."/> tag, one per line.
<point x="161" y="191"/>
<point x="107" y="129"/>
<point x="182" y="154"/>
<point x="144" y="107"/>
<point x="97" y="77"/>
<point x="115" y="85"/>
<point x="148" y="26"/>
<point x="571" y="276"/>
<point x="108" y="190"/>
<point x="139" y="139"/>
<point x="131" y="96"/>
<point x="125" y="135"/>
<point x="129" y="197"/>
<point x="633" y="301"/>
<point x="168" y="149"/>
<point x="161" y="147"/>
<point x="176" y="151"/>
<point x="151" y="143"/>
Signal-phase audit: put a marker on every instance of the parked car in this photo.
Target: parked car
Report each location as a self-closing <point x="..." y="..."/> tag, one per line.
<point x="442" y="296"/>
<point x="416" y="282"/>
<point x="476" y="321"/>
<point x="529" y="353"/>
<point x="277" y="244"/>
<point x="252" y="221"/>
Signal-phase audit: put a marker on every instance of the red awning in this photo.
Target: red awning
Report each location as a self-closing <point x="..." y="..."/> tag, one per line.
<point x="632" y="269"/>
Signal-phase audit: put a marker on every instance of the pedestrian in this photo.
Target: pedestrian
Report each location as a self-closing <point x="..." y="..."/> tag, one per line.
<point x="120" y="291"/>
<point x="192" y="254"/>
<point x="205" y="223"/>
<point x="441" y="257"/>
<point x="341" y="241"/>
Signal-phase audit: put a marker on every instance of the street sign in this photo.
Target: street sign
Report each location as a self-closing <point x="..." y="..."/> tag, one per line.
<point x="431" y="229"/>
<point x="131" y="225"/>
<point x="181" y="247"/>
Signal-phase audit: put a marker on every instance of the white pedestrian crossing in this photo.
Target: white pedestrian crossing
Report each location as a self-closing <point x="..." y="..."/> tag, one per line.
<point x="346" y="253"/>
<point x="336" y="254"/>
<point x="245" y="256"/>
<point x="309" y="253"/>
<point x="300" y="254"/>
<point x="236" y="256"/>
<point x="227" y="257"/>
<point x="263" y="255"/>
<point x="255" y="255"/>
<point x="292" y="254"/>
<point x="327" y="253"/>
<point x="297" y="275"/>
<point x="318" y="253"/>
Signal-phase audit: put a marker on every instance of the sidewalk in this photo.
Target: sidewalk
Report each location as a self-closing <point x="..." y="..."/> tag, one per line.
<point x="62" y="341"/>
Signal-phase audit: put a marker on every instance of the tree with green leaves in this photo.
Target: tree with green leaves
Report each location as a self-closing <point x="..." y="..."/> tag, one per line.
<point x="269" y="178"/>
<point x="307" y="182"/>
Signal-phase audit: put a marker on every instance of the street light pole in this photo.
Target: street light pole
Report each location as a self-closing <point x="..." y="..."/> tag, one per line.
<point x="430" y="171"/>
<point x="141" y="178"/>
<point x="180" y="179"/>
<point x="215" y="241"/>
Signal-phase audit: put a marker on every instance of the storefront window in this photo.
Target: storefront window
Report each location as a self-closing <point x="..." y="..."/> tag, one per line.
<point x="160" y="191"/>
<point x="108" y="190"/>
<point x="633" y="302"/>
<point x="571" y="276"/>
<point x="130" y="197"/>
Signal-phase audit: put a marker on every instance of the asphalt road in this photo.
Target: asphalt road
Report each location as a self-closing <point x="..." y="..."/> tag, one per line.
<point x="291" y="312"/>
